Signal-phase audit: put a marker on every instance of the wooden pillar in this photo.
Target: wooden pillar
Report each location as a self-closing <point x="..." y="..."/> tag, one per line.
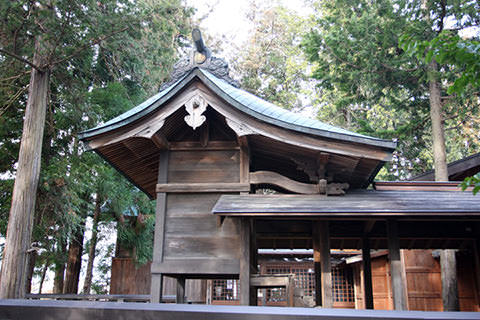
<point x="245" y="256"/>
<point x="476" y="266"/>
<point x="316" y="263"/>
<point x="156" y="286"/>
<point x="398" y="287"/>
<point x="322" y="244"/>
<point x="367" y="274"/>
<point x="180" y="297"/>
<point x="253" y="262"/>
<point x="448" y="266"/>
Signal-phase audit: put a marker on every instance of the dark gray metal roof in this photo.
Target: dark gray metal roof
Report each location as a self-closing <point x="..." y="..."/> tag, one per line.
<point x="457" y="170"/>
<point x="245" y="102"/>
<point x="357" y="203"/>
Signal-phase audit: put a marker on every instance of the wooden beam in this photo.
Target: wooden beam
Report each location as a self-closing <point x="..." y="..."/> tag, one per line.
<point x="367" y="274"/>
<point x="448" y="267"/>
<point x="196" y="145"/>
<point x="244" y="159"/>
<point x="205" y="266"/>
<point x="245" y="262"/>
<point x="205" y="133"/>
<point x="276" y="179"/>
<point x="322" y="162"/>
<point x="156" y="286"/>
<point x="202" y="187"/>
<point x="160" y="140"/>
<point x="180" y="297"/>
<point x="398" y="288"/>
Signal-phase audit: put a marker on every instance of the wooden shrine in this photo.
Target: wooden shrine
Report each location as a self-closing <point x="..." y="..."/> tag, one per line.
<point x="232" y="174"/>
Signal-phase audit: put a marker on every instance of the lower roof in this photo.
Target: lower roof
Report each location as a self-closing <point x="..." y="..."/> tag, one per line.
<point x="361" y="203"/>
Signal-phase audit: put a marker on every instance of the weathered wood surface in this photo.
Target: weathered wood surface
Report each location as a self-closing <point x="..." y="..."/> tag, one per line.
<point x="211" y="268"/>
<point x="418" y="185"/>
<point x="156" y="283"/>
<point x="127" y="278"/>
<point x="202" y="187"/>
<point x="286" y="281"/>
<point x="193" y="236"/>
<point x="325" y="263"/>
<point x="245" y="260"/>
<point x="396" y="267"/>
<point x="92" y="297"/>
<point x="19" y="230"/>
<point x="204" y="166"/>
<point x="52" y="310"/>
<point x="448" y="266"/>
<point x="358" y="203"/>
<point x="424" y="285"/>
<point x="367" y="274"/>
<point x="276" y="179"/>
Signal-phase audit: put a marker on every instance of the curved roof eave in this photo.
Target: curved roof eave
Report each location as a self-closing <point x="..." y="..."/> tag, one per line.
<point x="245" y="102"/>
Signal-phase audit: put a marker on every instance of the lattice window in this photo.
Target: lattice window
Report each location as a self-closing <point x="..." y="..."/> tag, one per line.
<point x="342" y="280"/>
<point x="304" y="279"/>
<point x="225" y="290"/>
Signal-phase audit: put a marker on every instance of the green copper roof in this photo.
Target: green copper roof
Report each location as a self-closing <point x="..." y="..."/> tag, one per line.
<point x="245" y="102"/>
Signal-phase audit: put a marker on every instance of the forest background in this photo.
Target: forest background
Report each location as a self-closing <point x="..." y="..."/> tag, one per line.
<point x="367" y="66"/>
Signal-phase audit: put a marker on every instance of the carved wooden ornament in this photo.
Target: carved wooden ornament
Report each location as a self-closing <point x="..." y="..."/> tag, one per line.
<point x="195" y="107"/>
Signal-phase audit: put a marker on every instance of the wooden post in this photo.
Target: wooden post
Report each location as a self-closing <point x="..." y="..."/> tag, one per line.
<point x="180" y="298"/>
<point x="367" y="274"/>
<point x="448" y="266"/>
<point x="325" y="265"/>
<point x="476" y="266"/>
<point x="156" y="286"/>
<point x="398" y="288"/>
<point x="316" y="263"/>
<point x="245" y="262"/>
<point x="253" y="262"/>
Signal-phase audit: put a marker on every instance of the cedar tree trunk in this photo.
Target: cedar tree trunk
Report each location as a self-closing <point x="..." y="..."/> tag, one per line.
<point x="19" y="230"/>
<point x="74" y="264"/>
<point x="59" y="268"/>
<point x="448" y="262"/>
<point x="93" y="245"/>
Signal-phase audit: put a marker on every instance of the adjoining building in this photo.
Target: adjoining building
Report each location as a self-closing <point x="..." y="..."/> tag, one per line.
<point x="207" y="150"/>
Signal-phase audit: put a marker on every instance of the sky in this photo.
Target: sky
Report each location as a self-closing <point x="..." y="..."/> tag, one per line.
<point x="228" y="17"/>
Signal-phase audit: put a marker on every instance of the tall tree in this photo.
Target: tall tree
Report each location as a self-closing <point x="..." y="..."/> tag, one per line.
<point x="271" y="63"/>
<point x="356" y="49"/>
<point x="56" y="35"/>
<point x="364" y="75"/>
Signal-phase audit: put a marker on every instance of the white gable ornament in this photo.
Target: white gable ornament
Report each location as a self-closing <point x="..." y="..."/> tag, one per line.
<point x="195" y="107"/>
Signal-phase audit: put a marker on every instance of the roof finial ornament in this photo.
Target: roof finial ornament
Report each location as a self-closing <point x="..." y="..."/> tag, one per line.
<point x="200" y="57"/>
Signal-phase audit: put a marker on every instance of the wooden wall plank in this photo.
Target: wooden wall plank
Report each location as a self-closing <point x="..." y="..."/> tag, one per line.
<point x="204" y="166"/>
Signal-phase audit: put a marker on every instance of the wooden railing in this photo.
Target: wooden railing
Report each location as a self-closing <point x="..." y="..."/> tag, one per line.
<point x="95" y="297"/>
<point x="61" y="309"/>
<point x="105" y="297"/>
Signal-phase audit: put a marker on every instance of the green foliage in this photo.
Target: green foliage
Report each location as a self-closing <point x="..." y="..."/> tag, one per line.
<point x="369" y="84"/>
<point x="137" y="235"/>
<point x="270" y="63"/>
<point x="448" y="48"/>
<point x="91" y="82"/>
<point x="473" y="181"/>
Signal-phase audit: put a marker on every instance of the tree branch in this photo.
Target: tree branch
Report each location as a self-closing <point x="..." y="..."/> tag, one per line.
<point x="31" y="64"/>
<point x="86" y="46"/>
